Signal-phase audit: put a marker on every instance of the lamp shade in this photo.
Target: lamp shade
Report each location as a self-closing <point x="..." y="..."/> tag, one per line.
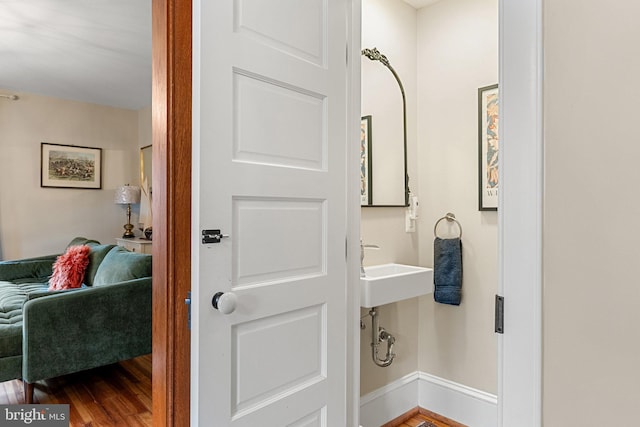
<point x="127" y="194"/>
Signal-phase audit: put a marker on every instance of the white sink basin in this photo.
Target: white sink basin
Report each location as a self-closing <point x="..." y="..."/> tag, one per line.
<point x="387" y="283"/>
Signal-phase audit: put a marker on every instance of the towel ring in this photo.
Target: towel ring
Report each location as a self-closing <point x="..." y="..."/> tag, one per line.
<point x="450" y="218"/>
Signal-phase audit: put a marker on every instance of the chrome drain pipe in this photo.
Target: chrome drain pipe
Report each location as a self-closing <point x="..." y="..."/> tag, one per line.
<point x="378" y="335"/>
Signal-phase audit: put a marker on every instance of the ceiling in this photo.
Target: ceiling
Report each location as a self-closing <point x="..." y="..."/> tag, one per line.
<point x="421" y="3"/>
<point x="96" y="51"/>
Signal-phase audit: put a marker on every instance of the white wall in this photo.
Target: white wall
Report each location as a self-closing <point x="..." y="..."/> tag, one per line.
<point x="591" y="295"/>
<point x="37" y="221"/>
<point x="390" y="25"/>
<point x="457" y="54"/>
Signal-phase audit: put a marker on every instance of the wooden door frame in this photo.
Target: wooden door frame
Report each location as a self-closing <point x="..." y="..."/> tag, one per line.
<point x="171" y="136"/>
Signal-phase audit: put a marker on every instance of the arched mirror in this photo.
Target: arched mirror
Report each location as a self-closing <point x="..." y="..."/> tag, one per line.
<point x="146" y="185"/>
<point x="383" y="134"/>
<point x="145" y="165"/>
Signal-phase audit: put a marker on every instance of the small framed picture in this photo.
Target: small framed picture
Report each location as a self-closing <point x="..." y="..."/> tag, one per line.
<point x="488" y="148"/>
<point x="366" y="194"/>
<point x="70" y="166"/>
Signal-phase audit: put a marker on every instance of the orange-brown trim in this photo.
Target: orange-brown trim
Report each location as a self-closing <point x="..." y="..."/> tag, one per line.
<point x="171" y="123"/>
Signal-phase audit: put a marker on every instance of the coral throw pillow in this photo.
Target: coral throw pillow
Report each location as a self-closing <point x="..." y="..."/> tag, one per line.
<point x="68" y="270"/>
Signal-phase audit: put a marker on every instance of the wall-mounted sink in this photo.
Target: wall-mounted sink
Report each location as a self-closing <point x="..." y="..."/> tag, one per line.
<point x="387" y="283"/>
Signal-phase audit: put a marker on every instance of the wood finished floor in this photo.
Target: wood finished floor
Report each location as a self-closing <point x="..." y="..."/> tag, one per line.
<point x="114" y="395"/>
<point x="120" y="395"/>
<point x="418" y="416"/>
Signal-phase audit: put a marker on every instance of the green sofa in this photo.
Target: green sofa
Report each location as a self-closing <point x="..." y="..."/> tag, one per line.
<point x="45" y="334"/>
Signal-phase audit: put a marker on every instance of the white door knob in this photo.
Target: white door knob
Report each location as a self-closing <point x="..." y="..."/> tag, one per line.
<point x="225" y="302"/>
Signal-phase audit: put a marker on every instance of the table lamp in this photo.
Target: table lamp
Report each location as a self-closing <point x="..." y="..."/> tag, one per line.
<point x="126" y="195"/>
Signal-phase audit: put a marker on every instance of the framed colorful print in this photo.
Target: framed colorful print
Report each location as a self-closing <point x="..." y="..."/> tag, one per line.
<point x="70" y="166"/>
<point x="366" y="192"/>
<point x="488" y="148"/>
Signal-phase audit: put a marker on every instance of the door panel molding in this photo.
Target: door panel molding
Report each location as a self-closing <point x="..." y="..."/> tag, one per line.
<point x="269" y="166"/>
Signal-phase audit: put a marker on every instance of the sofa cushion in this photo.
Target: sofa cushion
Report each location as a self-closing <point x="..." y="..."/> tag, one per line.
<point x="97" y="254"/>
<point x="69" y="268"/>
<point x="12" y="297"/>
<point x="120" y="265"/>
<point x="77" y="241"/>
<point x="27" y="271"/>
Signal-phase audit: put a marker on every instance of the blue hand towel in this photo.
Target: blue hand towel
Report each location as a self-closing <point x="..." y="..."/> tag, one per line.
<point x="447" y="270"/>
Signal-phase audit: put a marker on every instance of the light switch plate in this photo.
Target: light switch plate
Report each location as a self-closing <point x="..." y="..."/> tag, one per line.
<point x="409" y="224"/>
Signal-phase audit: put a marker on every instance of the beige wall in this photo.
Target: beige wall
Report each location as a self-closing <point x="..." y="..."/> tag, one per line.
<point x="144" y="126"/>
<point x="591" y="295"/>
<point x="457" y="54"/>
<point x="37" y="221"/>
<point x="455" y="51"/>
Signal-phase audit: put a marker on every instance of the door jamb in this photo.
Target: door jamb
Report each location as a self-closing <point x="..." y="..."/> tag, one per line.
<point x="520" y="213"/>
<point x="354" y="18"/>
<point x="171" y="136"/>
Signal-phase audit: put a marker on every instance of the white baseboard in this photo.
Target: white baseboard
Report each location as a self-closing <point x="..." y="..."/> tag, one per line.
<point x="469" y="406"/>
<point x="391" y="401"/>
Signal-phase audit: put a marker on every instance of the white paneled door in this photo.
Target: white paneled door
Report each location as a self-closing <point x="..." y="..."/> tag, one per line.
<point x="270" y="143"/>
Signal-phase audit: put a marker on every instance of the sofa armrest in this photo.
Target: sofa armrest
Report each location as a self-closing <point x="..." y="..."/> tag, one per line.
<point x="27" y="268"/>
<point x="73" y="331"/>
<point x="48" y="293"/>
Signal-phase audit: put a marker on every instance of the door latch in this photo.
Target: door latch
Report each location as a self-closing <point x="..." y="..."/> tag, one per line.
<point x="499" y="316"/>
<point x="187" y="301"/>
<point x="212" y="236"/>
